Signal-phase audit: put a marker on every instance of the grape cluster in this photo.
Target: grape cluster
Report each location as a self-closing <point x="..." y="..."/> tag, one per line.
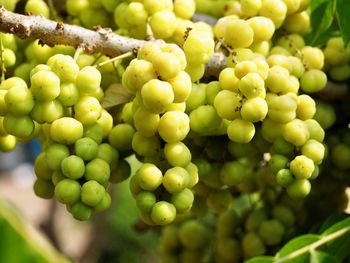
<point x="155" y="132"/>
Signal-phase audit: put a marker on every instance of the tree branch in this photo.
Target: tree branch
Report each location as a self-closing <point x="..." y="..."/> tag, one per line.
<point x="50" y="33"/>
<point x="102" y="40"/>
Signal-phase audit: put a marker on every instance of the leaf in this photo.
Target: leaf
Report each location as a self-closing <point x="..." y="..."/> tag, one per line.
<point x="263" y="259"/>
<point x="321" y="18"/>
<point x="332" y="220"/>
<point x="340" y="246"/>
<point x="115" y="95"/>
<point x="322" y="257"/>
<point x="295" y="244"/>
<point x="342" y="224"/>
<point x="343" y="11"/>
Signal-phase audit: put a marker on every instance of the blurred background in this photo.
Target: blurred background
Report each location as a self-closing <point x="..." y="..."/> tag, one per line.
<point x="36" y="230"/>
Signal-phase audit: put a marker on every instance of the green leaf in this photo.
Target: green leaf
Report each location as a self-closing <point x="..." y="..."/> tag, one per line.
<point x="322" y="257"/>
<point x="295" y="244"/>
<point x="321" y="18"/>
<point x="115" y="95"/>
<point x="263" y="259"/>
<point x="342" y="224"/>
<point x="343" y="11"/>
<point x="332" y="220"/>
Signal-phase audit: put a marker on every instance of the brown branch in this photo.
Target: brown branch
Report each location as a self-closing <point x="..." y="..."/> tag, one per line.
<point x="102" y="40"/>
<point x="51" y="33"/>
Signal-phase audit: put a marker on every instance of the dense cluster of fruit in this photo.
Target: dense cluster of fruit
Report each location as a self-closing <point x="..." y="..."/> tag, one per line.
<point x="205" y="144"/>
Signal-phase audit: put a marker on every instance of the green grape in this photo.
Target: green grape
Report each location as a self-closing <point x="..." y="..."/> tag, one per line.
<point x="44" y="189"/>
<point x="173" y="126"/>
<point x="314" y="150"/>
<point x="64" y="67"/>
<point x="148" y="128"/>
<point x="254" y="109"/>
<point x="297" y="23"/>
<point x="3" y="107"/>
<point x="184" y="8"/>
<point x="19" y="100"/>
<point x="135" y="14"/>
<point x="254" y="219"/>
<point x="66" y="130"/>
<point x="284" y="215"/>
<point x="74" y="7"/>
<point x="340" y="73"/>
<point x="145" y="146"/>
<point x="19" y="126"/>
<point x="296" y="132"/>
<point x="205" y="121"/>
<point x="105" y="121"/>
<point x="325" y="114"/>
<point x="8" y="57"/>
<point x="281" y="146"/>
<point x="92" y="193"/>
<point x="7" y="143"/>
<point x="219" y="200"/>
<point x="104" y="204"/>
<point x="198" y="47"/>
<point x="233" y="173"/>
<point x="313" y="80"/>
<point x="41" y="167"/>
<point x="277" y="162"/>
<point x="73" y="167"/>
<point x="276" y="10"/>
<point x="228" y="104"/>
<point x="316" y="131"/>
<point x="91" y="17"/>
<point x="68" y="191"/>
<point x="183" y="200"/>
<point x="88" y="80"/>
<point x="245" y="67"/>
<point x="47" y="111"/>
<point x="37" y="7"/>
<point x="69" y="94"/>
<point x="145" y="201"/>
<point x="87" y="110"/>
<point x="192" y="170"/>
<point x="197" y="97"/>
<point x="241" y="131"/>
<point x="138" y="73"/>
<point x="121" y="136"/>
<point x="340" y="156"/>
<point x="45" y="85"/>
<point x="213" y="88"/>
<point x="182" y="86"/>
<point x="252" y="85"/>
<point x="55" y="153"/>
<point x="284" y="177"/>
<point x="278" y="79"/>
<point x="80" y="211"/>
<point x="250" y="7"/>
<point x="263" y="27"/>
<point x="93" y="131"/>
<point x="156" y="95"/>
<point x="149" y="177"/>
<point x="177" y="154"/>
<point x="97" y="170"/>
<point x="193" y="235"/>
<point x="163" y="23"/>
<point x="238" y="33"/>
<point x="228" y="79"/>
<point x="153" y="6"/>
<point x="175" y="179"/>
<point x="271" y="232"/>
<point x="57" y="176"/>
<point x="195" y="71"/>
<point x="253" y="245"/>
<point x="299" y="188"/>
<point x="163" y="213"/>
<point x="86" y="148"/>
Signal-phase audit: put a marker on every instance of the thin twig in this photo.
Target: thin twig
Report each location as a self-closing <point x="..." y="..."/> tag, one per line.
<point x="125" y="55"/>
